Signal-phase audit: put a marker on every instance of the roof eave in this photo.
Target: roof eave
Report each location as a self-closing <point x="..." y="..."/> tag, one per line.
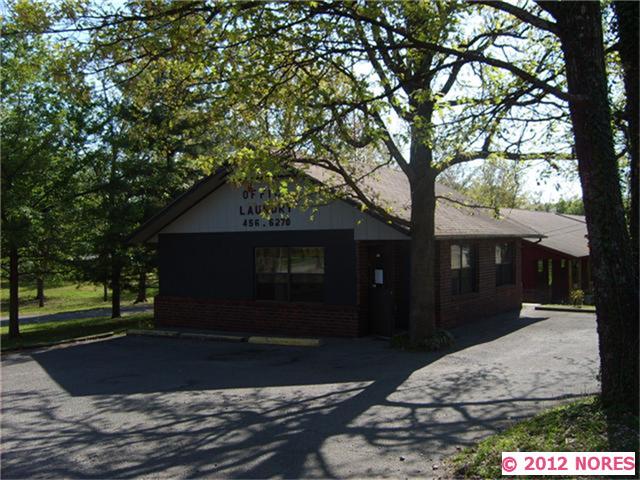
<point x="559" y="251"/>
<point x="484" y="236"/>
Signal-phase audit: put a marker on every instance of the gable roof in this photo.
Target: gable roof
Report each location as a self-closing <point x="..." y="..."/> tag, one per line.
<point x="452" y="220"/>
<point x="390" y="186"/>
<point x="563" y="233"/>
<point x="177" y="207"/>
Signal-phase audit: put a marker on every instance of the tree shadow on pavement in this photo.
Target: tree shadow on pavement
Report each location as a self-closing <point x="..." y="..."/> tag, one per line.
<point x="183" y="408"/>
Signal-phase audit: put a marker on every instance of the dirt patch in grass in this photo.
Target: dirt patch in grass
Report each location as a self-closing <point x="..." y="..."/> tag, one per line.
<point x="581" y="426"/>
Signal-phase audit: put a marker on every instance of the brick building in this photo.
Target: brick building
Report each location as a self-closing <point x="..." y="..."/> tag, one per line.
<point x="558" y="261"/>
<point x="338" y="272"/>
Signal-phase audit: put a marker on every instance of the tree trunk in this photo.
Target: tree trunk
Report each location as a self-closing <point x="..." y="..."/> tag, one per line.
<point x="613" y="270"/>
<point x="142" y="287"/>
<point x="422" y="314"/>
<point x="422" y="319"/>
<point x="14" y="326"/>
<point x="115" y="288"/>
<point x="627" y="15"/>
<point x="105" y="291"/>
<point x="40" y="291"/>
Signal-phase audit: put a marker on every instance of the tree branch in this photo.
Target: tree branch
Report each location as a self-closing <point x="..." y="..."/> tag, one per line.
<point x="469" y="55"/>
<point x="384" y="80"/>
<point x="392" y="147"/>
<point x="463" y="157"/>
<point x="522" y="14"/>
<point x="353" y="184"/>
<point x="464" y="204"/>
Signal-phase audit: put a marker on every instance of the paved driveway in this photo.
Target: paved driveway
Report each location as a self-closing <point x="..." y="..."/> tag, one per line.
<point x="179" y="408"/>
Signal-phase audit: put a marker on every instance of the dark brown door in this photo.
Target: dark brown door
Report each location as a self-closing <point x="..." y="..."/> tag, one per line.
<point x="560" y="287"/>
<point x="543" y="280"/>
<point x="381" y="299"/>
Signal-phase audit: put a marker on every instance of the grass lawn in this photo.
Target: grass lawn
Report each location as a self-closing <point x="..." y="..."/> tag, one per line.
<point x="581" y="426"/>
<point x="38" y="333"/>
<point x="63" y="298"/>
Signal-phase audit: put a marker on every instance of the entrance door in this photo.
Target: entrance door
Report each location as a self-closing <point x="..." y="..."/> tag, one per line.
<point x="544" y="272"/>
<point x="381" y="300"/>
<point x="561" y="276"/>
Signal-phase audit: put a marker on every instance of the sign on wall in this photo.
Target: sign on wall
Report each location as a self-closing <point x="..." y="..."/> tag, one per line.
<point x="257" y="211"/>
<point x="242" y="209"/>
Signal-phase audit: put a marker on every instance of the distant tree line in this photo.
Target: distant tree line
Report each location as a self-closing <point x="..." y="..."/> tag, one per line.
<point x="498" y="185"/>
<point x="571" y="206"/>
<point x="82" y="165"/>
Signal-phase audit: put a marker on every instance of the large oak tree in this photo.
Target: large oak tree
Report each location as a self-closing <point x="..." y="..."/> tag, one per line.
<point x="349" y="87"/>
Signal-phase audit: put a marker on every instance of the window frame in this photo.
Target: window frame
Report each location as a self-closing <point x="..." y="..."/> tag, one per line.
<point x="502" y="266"/>
<point x="457" y="289"/>
<point x="289" y="274"/>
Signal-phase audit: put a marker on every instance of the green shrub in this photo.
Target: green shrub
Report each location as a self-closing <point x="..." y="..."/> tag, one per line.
<point x="441" y="339"/>
<point x="577" y="297"/>
<point x="400" y="341"/>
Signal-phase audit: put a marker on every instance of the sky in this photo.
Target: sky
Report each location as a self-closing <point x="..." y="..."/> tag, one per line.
<point x="549" y="190"/>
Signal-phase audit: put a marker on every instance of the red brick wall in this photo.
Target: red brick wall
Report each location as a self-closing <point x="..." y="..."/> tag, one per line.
<point x="488" y="299"/>
<point x="304" y="319"/>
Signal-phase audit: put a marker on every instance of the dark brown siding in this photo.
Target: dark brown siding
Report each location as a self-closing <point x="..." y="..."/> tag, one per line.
<point x="184" y="302"/>
<point x="221" y="265"/>
<point x="207" y="281"/>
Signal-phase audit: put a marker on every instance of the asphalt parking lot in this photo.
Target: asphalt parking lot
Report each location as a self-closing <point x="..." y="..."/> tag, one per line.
<point x="160" y="407"/>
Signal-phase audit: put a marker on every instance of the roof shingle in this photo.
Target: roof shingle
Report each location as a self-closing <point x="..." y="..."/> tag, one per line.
<point x="563" y="233"/>
<point x="451" y="220"/>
